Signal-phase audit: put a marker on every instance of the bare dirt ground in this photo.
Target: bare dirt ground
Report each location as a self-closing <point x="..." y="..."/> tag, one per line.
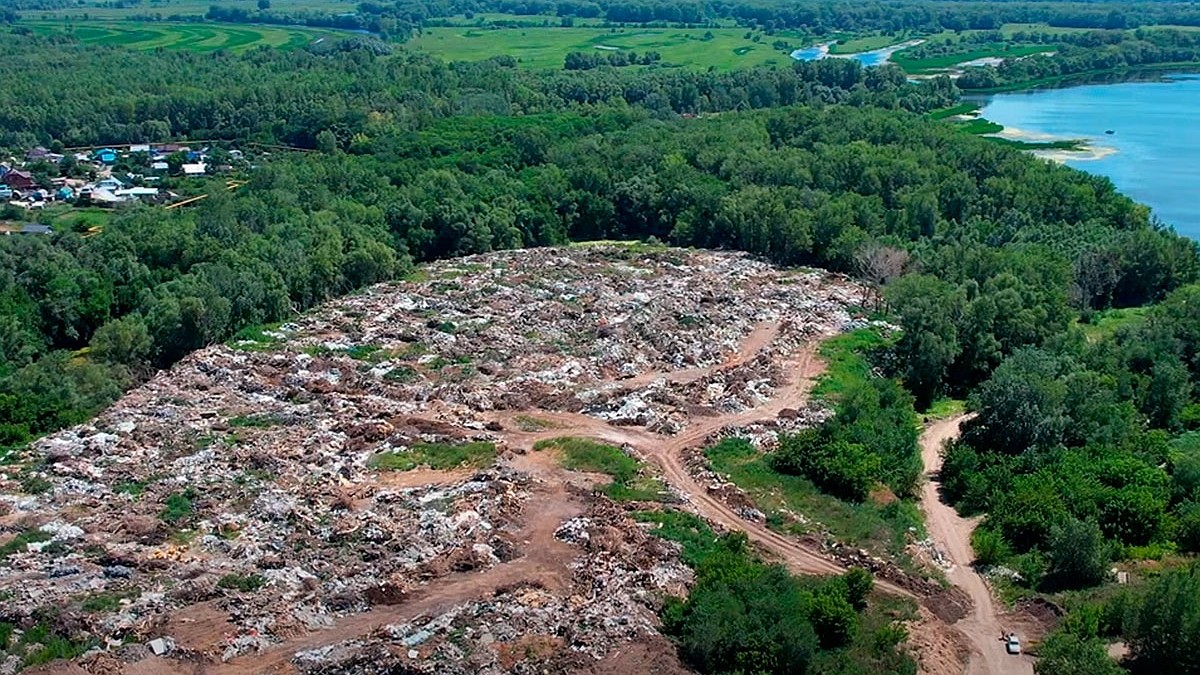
<point x="987" y="621"/>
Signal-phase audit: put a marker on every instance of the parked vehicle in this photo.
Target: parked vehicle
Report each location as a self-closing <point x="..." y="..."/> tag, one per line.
<point x="1013" y="644"/>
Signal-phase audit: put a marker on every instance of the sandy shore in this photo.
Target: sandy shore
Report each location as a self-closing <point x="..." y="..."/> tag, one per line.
<point x="1086" y="152"/>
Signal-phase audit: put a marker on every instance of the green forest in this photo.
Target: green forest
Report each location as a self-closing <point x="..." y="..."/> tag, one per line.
<point x="1059" y="310"/>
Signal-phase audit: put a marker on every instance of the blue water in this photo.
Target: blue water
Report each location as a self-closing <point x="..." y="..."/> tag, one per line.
<point x="872" y="58"/>
<point x="1157" y="137"/>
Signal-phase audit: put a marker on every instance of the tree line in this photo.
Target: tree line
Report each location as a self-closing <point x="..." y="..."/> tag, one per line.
<point x="289" y="97"/>
<point x="616" y="59"/>
<point x="1092" y="52"/>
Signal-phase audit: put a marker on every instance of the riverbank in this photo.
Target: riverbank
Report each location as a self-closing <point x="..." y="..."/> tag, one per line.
<point x="1051" y="147"/>
<point x="1098" y="76"/>
<point x="966" y="116"/>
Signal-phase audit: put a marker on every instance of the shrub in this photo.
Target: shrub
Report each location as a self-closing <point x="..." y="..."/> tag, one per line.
<point x="843" y="469"/>
<point x="990" y="547"/>
<point x="1077" y="554"/>
<point x="178" y="507"/>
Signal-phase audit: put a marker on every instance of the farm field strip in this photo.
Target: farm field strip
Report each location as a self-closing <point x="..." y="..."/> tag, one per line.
<point x="205" y="37"/>
<point x="727" y="48"/>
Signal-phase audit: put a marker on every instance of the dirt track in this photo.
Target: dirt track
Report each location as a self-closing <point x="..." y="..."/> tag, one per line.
<point x="952" y="533"/>
<point x="666" y="451"/>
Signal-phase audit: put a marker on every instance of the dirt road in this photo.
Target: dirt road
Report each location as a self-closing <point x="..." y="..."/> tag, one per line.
<point x="545" y="559"/>
<point x="952" y="533"/>
<point x="666" y="452"/>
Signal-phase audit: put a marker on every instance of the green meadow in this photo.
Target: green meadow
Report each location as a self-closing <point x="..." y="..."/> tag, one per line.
<point x="107" y="11"/>
<point x="204" y="37"/>
<point x="726" y="49"/>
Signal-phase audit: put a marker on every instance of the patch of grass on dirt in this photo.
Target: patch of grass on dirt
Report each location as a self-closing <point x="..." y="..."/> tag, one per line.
<point x="438" y="456"/>
<point x="943" y="408"/>
<point x="530" y="423"/>
<point x="402" y="374"/>
<point x="41" y="644"/>
<point x="881" y="529"/>
<point x="689" y="530"/>
<point x="253" y="421"/>
<point x="18" y="543"/>
<point x="133" y="488"/>
<point x="628" y="484"/>
<point x="846" y="356"/>
<point x="107" y="601"/>
<point x="246" y="583"/>
<point x="178" y="506"/>
<point x="363" y="352"/>
<point x="33" y="484"/>
<point x="259" y="338"/>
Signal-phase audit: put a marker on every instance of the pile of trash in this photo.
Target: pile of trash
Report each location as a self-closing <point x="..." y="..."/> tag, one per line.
<point x="267" y="478"/>
<point x="617" y="585"/>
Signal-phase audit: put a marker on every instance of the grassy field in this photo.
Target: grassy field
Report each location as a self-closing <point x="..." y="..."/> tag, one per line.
<point x="97" y="9"/>
<point x="879" y="528"/>
<point x="206" y="37"/>
<point x="629" y="482"/>
<point x="1009" y="29"/>
<point x="935" y="63"/>
<point x="480" y="19"/>
<point x="865" y="43"/>
<point x="547" y="47"/>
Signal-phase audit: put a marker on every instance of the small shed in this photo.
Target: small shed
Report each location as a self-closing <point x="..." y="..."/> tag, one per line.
<point x="194" y="169"/>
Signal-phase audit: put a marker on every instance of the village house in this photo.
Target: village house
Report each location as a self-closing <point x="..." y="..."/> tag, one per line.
<point x="106" y="156"/>
<point x="40" y="154"/>
<point x="19" y="180"/>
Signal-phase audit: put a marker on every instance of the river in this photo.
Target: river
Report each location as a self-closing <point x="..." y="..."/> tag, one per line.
<point x="874" y="57"/>
<point x="1156" y="137"/>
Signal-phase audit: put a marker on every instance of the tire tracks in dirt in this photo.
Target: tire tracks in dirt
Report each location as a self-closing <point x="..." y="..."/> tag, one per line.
<point x="665" y="452"/>
<point x="951" y="533"/>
